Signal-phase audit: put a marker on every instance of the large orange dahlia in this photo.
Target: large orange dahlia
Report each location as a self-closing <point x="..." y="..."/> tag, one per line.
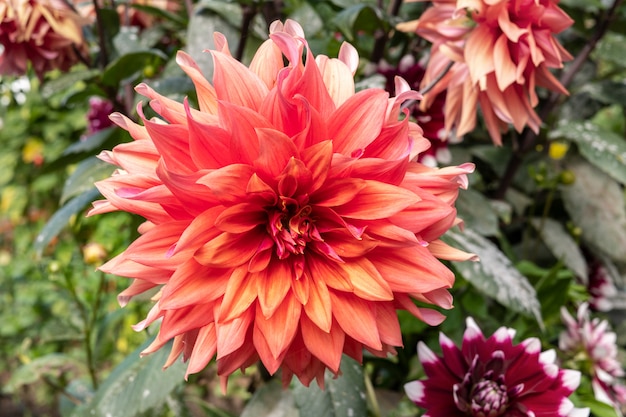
<point x="286" y="221"/>
<point x="501" y="51"/>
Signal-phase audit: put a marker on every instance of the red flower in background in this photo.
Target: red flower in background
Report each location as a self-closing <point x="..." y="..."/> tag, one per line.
<point x="46" y="33"/>
<point x="501" y="51"/>
<point x="493" y="377"/>
<point x="285" y="220"/>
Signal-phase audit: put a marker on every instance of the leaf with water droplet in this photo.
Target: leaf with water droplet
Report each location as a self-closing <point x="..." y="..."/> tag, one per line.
<point x="135" y="386"/>
<point x="603" y="148"/>
<point x="494" y="275"/>
<point x="343" y="396"/>
<point x="595" y="203"/>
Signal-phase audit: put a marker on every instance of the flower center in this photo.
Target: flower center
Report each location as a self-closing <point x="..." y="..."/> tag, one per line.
<point x="488" y="399"/>
<point x="291" y="227"/>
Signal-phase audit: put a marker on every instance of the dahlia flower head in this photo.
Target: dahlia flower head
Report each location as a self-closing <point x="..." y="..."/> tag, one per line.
<point x="500" y="51"/>
<point x="493" y="377"/>
<point x="589" y="342"/>
<point x="431" y="120"/>
<point x="46" y="33"/>
<point x="286" y="219"/>
<point x="129" y="16"/>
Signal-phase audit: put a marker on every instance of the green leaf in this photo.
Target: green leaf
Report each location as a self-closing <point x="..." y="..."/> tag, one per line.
<point x="67" y="80"/>
<point x="603" y="148"/>
<point x="61" y="218"/>
<point x="495" y="275"/>
<point x="135" y="386"/>
<point x="129" y="64"/>
<point x="52" y="365"/>
<point x="606" y="91"/>
<point x="562" y="245"/>
<point x="477" y="213"/>
<point x="271" y="400"/>
<point x="360" y="17"/>
<point x="84" y="176"/>
<point x="611" y="48"/>
<point x="595" y="203"/>
<point x="343" y="396"/>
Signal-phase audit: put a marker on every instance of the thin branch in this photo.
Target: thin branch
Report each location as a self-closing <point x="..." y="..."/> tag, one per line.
<point x="189" y="7"/>
<point x="249" y="11"/>
<point x="529" y="137"/>
<point x="429" y="86"/>
<point x="104" y="58"/>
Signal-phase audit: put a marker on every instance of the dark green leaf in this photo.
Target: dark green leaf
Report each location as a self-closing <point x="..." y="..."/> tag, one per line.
<point x="612" y="48"/>
<point x="595" y="203"/>
<point x="271" y="400"/>
<point x="343" y="396"/>
<point x="360" y="17"/>
<point x="561" y="244"/>
<point x="52" y="365"/>
<point x="129" y="64"/>
<point x="159" y="12"/>
<point x="477" y="213"/>
<point x="603" y="148"/>
<point x="135" y="386"/>
<point x="607" y="91"/>
<point x="90" y="143"/>
<point x="494" y="275"/>
<point x="60" y="219"/>
<point x="65" y="81"/>
<point x="84" y="176"/>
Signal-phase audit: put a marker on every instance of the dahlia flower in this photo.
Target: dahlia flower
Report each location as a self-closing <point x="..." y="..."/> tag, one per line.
<point x="501" y="51"/>
<point x="285" y="219"/>
<point x="129" y="15"/>
<point x="98" y="114"/>
<point x="588" y="342"/>
<point x="431" y="120"/>
<point x="46" y="33"/>
<point x="493" y="377"/>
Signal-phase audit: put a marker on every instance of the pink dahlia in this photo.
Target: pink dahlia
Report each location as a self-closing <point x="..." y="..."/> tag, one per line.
<point x="588" y="342"/>
<point x="46" y="33"/>
<point x="501" y="51"/>
<point x="493" y="377"/>
<point x="285" y="219"/>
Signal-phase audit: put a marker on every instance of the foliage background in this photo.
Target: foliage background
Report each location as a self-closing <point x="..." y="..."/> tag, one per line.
<point x="541" y="211"/>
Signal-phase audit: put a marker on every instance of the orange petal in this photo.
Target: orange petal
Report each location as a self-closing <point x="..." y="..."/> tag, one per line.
<point x="241" y="292"/>
<point x="231" y="335"/>
<point x="207" y="98"/>
<point x="273" y="284"/>
<point x="275" y="151"/>
<point x="204" y="349"/>
<point x="318" y="307"/>
<point x="377" y="200"/>
<point x="357" y="318"/>
<point x="279" y="329"/>
<point x="367" y="281"/>
<point x="229" y="250"/>
<point x="193" y="283"/>
<point x="326" y="346"/>
<point x="241" y="218"/>
<point x="358" y="121"/>
<point x="237" y="84"/>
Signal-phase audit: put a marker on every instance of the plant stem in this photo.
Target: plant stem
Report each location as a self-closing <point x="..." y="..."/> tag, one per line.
<point x="249" y="11"/>
<point x="189" y="7"/>
<point x="430" y="85"/>
<point x="529" y="137"/>
<point x="104" y="58"/>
